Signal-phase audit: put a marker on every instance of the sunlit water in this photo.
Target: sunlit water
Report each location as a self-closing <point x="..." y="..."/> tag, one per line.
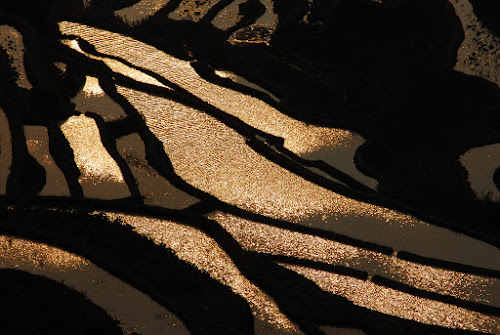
<point x="101" y="177"/>
<point x="215" y="158"/>
<point x="195" y="247"/>
<point x="277" y="241"/>
<point x="140" y="10"/>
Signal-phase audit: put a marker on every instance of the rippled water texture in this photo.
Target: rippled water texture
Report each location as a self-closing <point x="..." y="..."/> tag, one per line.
<point x="191" y="186"/>
<point x="215" y="158"/>
<point x="101" y="177"/>
<point x="193" y="246"/>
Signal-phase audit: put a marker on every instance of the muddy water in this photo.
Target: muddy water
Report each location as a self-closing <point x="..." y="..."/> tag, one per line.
<point x="93" y="99"/>
<point x="229" y="16"/>
<point x="37" y="141"/>
<point x="481" y="163"/>
<point x="479" y="55"/>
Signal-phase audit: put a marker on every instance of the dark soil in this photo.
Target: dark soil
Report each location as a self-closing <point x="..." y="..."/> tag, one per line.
<point x="34" y="305"/>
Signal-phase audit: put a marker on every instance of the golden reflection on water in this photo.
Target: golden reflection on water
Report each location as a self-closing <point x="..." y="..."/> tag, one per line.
<point x="37" y="142"/>
<point x="215" y="159"/>
<point x="116" y="65"/>
<point x="299" y="137"/>
<point x="92" y="98"/>
<point x="140" y="11"/>
<point x="5" y="151"/>
<point x="334" y="146"/>
<point x="388" y="301"/>
<point x="12" y="41"/>
<point x="411" y="235"/>
<point x="240" y="80"/>
<point x="193" y="246"/>
<point x="263" y="238"/>
<point x="101" y="177"/>
<point x="18" y="253"/>
<point x="156" y="190"/>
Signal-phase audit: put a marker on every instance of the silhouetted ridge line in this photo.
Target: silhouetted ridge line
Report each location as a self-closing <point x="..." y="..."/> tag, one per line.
<point x="438" y="263"/>
<point x="131" y="208"/>
<point x="470" y="305"/>
<point x="109" y="143"/>
<point x="183" y="96"/>
<point x="382" y="281"/>
<point x="338" y="269"/>
<point x="192" y="295"/>
<point x="180" y="95"/>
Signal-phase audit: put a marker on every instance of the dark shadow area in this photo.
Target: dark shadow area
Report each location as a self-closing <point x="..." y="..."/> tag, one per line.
<point x="393" y="63"/>
<point x="383" y="70"/>
<point x="488" y="12"/>
<point x="204" y="305"/>
<point x="34" y="305"/>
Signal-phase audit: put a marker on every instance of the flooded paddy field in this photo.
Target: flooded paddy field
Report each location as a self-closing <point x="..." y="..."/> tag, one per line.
<point x="250" y="167"/>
